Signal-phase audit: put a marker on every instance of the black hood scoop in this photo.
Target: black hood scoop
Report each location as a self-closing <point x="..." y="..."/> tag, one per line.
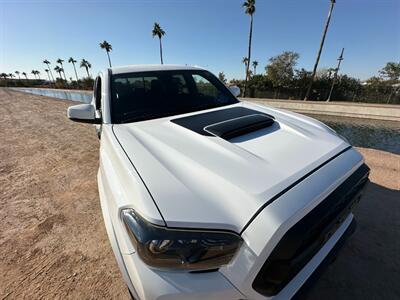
<point x="236" y="127"/>
<point x="226" y="123"/>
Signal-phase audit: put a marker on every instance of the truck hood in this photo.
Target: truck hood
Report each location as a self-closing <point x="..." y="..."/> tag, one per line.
<point x="200" y="180"/>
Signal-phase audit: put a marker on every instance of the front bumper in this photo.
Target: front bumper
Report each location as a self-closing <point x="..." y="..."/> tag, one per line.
<point x="156" y="284"/>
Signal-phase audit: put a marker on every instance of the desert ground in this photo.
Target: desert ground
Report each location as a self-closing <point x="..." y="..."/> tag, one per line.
<point x="53" y="244"/>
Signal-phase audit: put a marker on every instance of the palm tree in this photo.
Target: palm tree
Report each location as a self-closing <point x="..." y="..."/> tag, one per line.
<point x="328" y="20"/>
<point x="222" y="77"/>
<point x="48" y="67"/>
<point x="245" y="61"/>
<point x="24" y="74"/>
<point x="11" y="75"/>
<point x="4" y="76"/>
<point x="60" y="61"/>
<point x="47" y="71"/>
<point x="73" y="61"/>
<point x="34" y="73"/>
<point x="59" y="71"/>
<point x="17" y="72"/>
<point x="250" y="9"/>
<point x="255" y="64"/>
<point x="107" y="46"/>
<point x="37" y="73"/>
<point x="158" y="31"/>
<point x="85" y="64"/>
<point x="62" y="71"/>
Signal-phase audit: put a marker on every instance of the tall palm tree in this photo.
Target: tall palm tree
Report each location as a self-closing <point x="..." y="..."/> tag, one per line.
<point x="11" y="75"/>
<point x="250" y="9"/>
<point x="255" y="64"/>
<point x="37" y="73"/>
<point x="85" y="64"/>
<point x="48" y="67"/>
<point x="60" y="61"/>
<point x="4" y="76"/>
<point x="245" y="61"/>
<point x="107" y="46"/>
<point x="48" y="75"/>
<point x="34" y="73"/>
<point x="17" y="72"/>
<point x="159" y="32"/>
<point x="62" y="72"/>
<point x="73" y="61"/>
<point x="24" y="74"/>
<point x="328" y="20"/>
<point x="59" y="71"/>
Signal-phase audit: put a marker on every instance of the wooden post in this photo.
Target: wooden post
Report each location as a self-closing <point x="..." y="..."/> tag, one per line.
<point x="335" y="76"/>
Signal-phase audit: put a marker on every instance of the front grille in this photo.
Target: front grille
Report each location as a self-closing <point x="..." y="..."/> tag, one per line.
<point x="305" y="238"/>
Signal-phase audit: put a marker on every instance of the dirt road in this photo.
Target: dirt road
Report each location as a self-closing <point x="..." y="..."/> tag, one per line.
<point x="53" y="243"/>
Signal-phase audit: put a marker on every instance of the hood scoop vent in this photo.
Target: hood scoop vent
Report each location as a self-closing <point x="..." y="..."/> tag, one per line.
<point x="226" y="123"/>
<point x="230" y="129"/>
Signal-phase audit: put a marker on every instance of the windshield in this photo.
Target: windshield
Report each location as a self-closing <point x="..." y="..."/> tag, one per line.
<point x="155" y="94"/>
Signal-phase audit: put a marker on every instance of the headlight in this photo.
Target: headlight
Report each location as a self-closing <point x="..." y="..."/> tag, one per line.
<point x="162" y="247"/>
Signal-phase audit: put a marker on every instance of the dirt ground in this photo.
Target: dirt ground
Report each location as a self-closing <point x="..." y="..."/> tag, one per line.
<point x="53" y="243"/>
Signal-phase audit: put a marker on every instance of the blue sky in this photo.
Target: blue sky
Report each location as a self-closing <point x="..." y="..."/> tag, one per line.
<point x="209" y="33"/>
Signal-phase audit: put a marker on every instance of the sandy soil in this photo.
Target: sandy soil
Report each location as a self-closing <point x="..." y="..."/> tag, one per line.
<point x="53" y="242"/>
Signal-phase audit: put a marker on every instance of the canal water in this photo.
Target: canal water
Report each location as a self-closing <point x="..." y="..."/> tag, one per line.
<point x="367" y="133"/>
<point x="59" y="94"/>
<point x="376" y="134"/>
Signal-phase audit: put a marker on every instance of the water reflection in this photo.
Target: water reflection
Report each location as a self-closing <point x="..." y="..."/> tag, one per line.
<point x="376" y="134"/>
<point x="60" y="94"/>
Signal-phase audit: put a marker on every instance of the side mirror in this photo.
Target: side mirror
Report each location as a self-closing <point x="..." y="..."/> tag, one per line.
<point x="235" y="90"/>
<point x="84" y="113"/>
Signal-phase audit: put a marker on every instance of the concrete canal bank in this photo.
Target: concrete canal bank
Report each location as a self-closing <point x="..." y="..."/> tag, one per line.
<point x="344" y="109"/>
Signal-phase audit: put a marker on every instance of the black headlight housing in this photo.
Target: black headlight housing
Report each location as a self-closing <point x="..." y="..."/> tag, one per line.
<point x="180" y="249"/>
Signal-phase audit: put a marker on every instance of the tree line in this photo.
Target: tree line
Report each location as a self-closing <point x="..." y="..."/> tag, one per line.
<point x="282" y="80"/>
<point x="56" y="82"/>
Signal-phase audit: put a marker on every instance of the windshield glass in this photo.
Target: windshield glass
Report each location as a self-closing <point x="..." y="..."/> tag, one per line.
<point x="155" y="94"/>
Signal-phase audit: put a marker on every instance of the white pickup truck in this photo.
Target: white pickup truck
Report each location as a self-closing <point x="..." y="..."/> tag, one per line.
<point x="207" y="197"/>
